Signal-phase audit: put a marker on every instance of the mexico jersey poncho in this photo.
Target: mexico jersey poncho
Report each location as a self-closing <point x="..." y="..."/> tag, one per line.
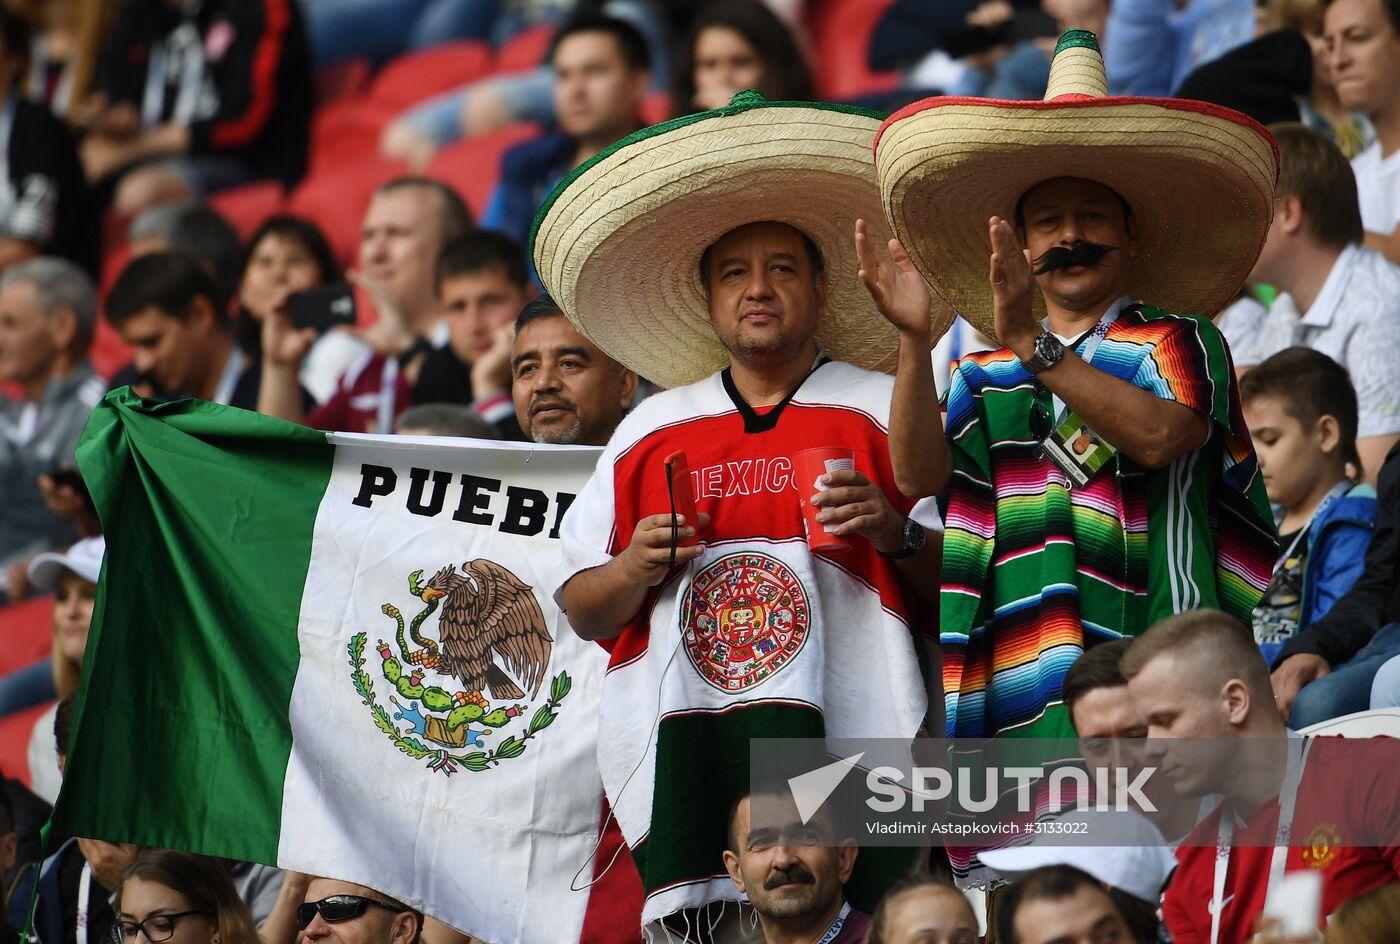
<point x="1034" y="571"/>
<point x="756" y="638"/>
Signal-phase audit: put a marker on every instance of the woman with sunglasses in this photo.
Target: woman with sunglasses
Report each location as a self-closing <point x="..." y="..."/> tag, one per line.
<point x="182" y="899"/>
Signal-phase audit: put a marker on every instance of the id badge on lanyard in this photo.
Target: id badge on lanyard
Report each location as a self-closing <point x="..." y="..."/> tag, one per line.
<point x="1069" y="443"/>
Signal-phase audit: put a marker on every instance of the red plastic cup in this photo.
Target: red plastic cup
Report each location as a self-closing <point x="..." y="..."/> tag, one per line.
<point x="811" y="464"/>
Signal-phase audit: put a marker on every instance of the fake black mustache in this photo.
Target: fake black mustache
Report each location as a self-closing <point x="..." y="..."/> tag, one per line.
<point x="782" y="876"/>
<point x="1060" y="257"/>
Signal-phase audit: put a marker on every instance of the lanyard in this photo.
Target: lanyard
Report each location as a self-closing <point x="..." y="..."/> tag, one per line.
<point x="7" y="127"/>
<point x="836" y="925"/>
<point x="1091" y="347"/>
<point x="1287" y="796"/>
<point x="233" y="368"/>
<point x="388" y="384"/>
<point x="1338" y="490"/>
<point x="184" y="42"/>
<point x="84" y="892"/>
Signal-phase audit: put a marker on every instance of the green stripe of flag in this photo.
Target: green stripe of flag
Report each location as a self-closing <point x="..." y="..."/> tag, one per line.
<point x="182" y="735"/>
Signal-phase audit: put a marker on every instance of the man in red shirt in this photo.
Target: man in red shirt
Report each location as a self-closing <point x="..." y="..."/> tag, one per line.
<point x="1199" y="676"/>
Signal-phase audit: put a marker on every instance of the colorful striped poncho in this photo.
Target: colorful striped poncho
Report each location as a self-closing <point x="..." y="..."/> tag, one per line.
<point x="1034" y="572"/>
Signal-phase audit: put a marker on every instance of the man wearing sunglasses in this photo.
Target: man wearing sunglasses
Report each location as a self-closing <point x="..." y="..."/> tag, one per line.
<point x="335" y="912"/>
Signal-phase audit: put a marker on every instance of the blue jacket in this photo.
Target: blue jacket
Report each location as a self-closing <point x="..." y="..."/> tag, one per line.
<point x="529" y="171"/>
<point x="1337" y="541"/>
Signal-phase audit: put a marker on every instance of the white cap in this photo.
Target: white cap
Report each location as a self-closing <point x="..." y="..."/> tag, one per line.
<point x="83" y="559"/>
<point x="1139" y="862"/>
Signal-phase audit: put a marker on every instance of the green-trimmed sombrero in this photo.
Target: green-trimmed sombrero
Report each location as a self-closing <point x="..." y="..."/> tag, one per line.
<point x="1199" y="178"/>
<point x="618" y="243"/>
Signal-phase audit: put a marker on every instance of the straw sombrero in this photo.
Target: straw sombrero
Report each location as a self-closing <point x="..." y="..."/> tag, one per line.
<point x="1199" y="178"/>
<point x="618" y="243"/>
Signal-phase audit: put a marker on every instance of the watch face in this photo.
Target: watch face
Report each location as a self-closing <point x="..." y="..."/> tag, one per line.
<point x="914" y="535"/>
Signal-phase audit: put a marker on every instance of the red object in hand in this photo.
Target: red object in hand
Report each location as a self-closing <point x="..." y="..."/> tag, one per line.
<point x="808" y="466"/>
<point x="682" y="495"/>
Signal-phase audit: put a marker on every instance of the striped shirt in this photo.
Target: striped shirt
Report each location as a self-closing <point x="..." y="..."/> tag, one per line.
<point x="1034" y="572"/>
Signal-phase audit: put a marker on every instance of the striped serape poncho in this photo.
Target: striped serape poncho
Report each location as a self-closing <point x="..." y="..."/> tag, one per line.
<point x="1035" y="572"/>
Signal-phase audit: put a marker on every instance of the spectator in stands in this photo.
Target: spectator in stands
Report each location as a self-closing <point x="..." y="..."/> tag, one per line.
<point x="1060" y="903"/>
<point x="505" y="98"/>
<point x="1328" y="669"/>
<point x="1338" y="297"/>
<point x="380" y="29"/>
<point x="195" y="98"/>
<point x="793" y="869"/>
<point x="1128" y="857"/>
<point x="1301" y="412"/>
<point x="1150" y="46"/>
<point x="63" y="53"/>
<point x="72" y="579"/>
<point x="446" y="419"/>
<point x="343" y="913"/>
<point x="1025" y="68"/>
<point x="1283" y="75"/>
<point x="285" y="255"/>
<point x="48" y="309"/>
<point x="1198" y="675"/>
<point x="91" y="864"/>
<point x="735" y="45"/>
<point x="481" y="285"/>
<point x="923" y="909"/>
<point x="1364" y="39"/>
<point x="408" y="221"/>
<point x="45" y="205"/>
<point x="1111" y="731"/>
<point x="194" y="227"/>
<point x="601" y="70"/>
<point x="176" y="896"/>
<point x="566" y="390"/>
<point x="169" y="309"/>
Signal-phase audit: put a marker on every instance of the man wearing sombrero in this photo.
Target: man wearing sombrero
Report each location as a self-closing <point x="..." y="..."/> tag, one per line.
<point x="1107" y="206"/>
<point x="711" y="255"/>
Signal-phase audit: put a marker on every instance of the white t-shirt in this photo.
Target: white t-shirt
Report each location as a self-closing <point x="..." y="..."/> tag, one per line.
<point x="1378" y="189"/>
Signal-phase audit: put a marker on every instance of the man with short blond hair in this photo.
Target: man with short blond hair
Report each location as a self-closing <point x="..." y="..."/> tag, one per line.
<point x="1198" y="677"/>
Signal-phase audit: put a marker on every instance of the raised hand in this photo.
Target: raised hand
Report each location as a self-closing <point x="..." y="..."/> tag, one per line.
<point x="1012" y="285"/>
<point x="897" y="288"/>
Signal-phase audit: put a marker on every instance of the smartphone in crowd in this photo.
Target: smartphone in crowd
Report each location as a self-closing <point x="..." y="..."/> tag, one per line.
<point x="323" y="307"/>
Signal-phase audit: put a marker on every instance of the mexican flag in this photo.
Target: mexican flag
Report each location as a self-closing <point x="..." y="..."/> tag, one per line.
<point x="339" y="654"/>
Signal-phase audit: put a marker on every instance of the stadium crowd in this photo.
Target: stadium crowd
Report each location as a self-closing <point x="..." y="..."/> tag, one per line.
<point x="343" y="213"/>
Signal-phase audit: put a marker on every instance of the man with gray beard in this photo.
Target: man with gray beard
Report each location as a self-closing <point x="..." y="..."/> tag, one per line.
<point x="566" y="391"/>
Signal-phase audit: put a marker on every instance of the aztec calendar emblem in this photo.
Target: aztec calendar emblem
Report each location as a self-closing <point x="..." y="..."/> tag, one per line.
<point x="492" y="647"/>
<point x="744" y="617"/>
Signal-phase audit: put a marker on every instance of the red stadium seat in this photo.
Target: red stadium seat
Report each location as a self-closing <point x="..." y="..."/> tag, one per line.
<point x="247" y="206"/>
<point x="347" y="130"/>
<point x="347" y="79"/>
<point x="656" y="108"/>
<point x="525" y="50"/>
<point x="335" y="198"/>
<point x="26" y="633"/>
<point x="15" y="732"/>
<point x="840" y="46"/>
<point x="472" y="166"/>
<point x="410" y="78"/>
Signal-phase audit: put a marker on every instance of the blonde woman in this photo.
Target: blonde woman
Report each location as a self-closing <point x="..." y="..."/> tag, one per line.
<point x="72" y="579"/>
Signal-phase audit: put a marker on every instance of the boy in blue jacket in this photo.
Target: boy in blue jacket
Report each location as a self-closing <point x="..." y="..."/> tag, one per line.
<point x="1301" y="411"/>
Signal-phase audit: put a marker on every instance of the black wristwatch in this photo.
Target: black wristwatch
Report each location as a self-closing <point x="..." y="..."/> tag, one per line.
<point x="914" y="540"/>
<point x="1048" y="351"/>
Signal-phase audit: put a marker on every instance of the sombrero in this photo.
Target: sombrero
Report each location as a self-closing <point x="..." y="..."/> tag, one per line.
<point x="618" y="243"/>
<point x="1198" y="177"/>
